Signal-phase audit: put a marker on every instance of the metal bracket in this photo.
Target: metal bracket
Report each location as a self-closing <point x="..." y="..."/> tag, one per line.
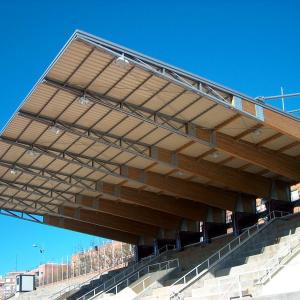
<point x="191" y="129"/>
<point x="237" y="103"/>
<point x="99" y="186"/>
<point x="143" y="177"/>
<point x="174" y="159"/>
<point x="117" y="191"/>
<point x="153" y="152"/>
<point x="212" y="138"/>
<point x="259" y="112"/>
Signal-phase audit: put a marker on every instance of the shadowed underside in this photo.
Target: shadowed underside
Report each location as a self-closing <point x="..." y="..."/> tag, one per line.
<point x="113" y="143"/>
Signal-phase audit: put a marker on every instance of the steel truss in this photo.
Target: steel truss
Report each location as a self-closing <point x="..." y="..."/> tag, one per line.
<point x="21" y="215"/>
<point x="189" y="81"/>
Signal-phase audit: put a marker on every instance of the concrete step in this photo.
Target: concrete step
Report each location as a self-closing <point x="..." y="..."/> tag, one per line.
<point x="222" y="286"/>
<point x="236" y="269"/>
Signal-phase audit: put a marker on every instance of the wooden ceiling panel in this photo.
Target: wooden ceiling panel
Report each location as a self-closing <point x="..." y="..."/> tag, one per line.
<point x="16" y="127"/>
<point x="164" y="97"/>
<point x="195" y="150"/>
<point x="39" y="98"/>
<point x="237" y="126"/>
<point x="147" y="90"/>
<point x="213" y="117"/>
<point x="128" y="84"/>
<point x="294" y="151"/>
<point x="173" y="142"/>
<point x="13" y="154"/>
<point x="110" y="76"/>
<point x="73" y="55"/>
<point x="279" y="142"/>
<point x="92" y="116"/>
<point x="196" y="110"/>
<point x="58" y="104"/>
<point x="96" y="62"/>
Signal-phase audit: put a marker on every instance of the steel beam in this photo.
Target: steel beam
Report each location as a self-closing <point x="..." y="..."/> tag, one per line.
<point x="195" y="191"/>
<point x="177" y="126"/>
<point x="253" y="184"/>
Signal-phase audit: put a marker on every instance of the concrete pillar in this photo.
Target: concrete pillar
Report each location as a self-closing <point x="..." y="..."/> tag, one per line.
<point x="245" y="213"/>
<point x="215" y="224"/>
<point x="280" y="197"/>
<point x="189" y="233"/>
<point x="165" y="237"/>
<point x="144" y="248"/>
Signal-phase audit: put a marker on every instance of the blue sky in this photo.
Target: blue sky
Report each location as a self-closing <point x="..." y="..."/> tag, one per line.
<point x="250" y="46"/>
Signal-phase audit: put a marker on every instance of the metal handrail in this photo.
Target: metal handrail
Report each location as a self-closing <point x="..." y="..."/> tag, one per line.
<point x="77" y="286"/>
<point x="271" y="267"/>
<point x="128" y="271"/>
<point x="165" y="265"/>
<point x="71" y="287"/>
<point x="211" y="261"/>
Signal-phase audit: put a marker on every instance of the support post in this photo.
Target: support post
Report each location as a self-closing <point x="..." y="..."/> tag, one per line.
<point x="214" y="225"/>
<point x="245" y="213"/>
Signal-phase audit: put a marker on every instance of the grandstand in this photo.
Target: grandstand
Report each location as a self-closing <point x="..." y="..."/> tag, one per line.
<point x="112" y="143"/>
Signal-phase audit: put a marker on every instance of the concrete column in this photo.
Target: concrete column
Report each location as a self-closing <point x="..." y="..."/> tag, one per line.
<point x="144" y="248"/>
<point x="280" y="197"/>
<point x="189" y="233"/>
<point x="215" y="224"/>
<point x="165" y="237"/>
<point x="244" y="214"/>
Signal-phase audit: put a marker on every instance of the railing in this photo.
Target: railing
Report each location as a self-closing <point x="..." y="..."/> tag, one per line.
<point x="115" y="289"/>
<point x="204" y="267"/>
<point x="10" y="295"/>
<point x="129" y="270"/>
<point x="275" y="263"/>
<point x="174" y="263"/>
<point x="75" y="286"/>
<point x="263" y="274"/>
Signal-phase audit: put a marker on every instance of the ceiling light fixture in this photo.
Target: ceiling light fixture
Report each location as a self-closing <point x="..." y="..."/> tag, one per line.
<point x="179" y="173"/>
<point x="122" y="61"/>
<point x="32" y="153"/>
<point x="55" y="130"/>
<point x="257" y="132"/>
<point x="13" y="171"/>
<point x="83" y="100"/>
<point x="216" y="154"/>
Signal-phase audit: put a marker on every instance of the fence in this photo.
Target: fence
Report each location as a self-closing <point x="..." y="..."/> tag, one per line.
<point x="97" y="260"/>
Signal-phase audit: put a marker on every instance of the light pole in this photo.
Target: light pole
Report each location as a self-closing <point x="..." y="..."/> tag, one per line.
<point x="42" y="251"/>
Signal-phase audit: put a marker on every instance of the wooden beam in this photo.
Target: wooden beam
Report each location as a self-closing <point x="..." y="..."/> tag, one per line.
<point x="86" y="228"/>
<point x="131" y="211"/>
<point x="109" y="221"/>
<point x="276" y="120"/>
<point x="181" y="207"/>
<point x="234" y="179"/>
<point x="182" y="188"/>
<point x="277" y="163"/>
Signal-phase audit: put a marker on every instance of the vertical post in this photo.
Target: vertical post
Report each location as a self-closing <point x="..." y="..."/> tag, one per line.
<point x="282" y="98"/>
<point x="240" y="287"/>
<point x="91" y="260"/>
<point x="122" y="260"/>
<point x="68" y="268"/>
<point x="113" y="254"/>
<point x="57" y="271"/>
<point x="85" y="263"/>
<point x="52" y="276"/>
<point x="62" y="269"/>
<point x="98" y="258"/>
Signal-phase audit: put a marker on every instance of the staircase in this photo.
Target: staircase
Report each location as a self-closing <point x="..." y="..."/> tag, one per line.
<point x="243" y="273"/>
<point x="96" y="288"/>
<point x="188" y="258"/>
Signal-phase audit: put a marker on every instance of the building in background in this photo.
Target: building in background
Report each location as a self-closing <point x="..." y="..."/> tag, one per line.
<point x="8" y="283"/>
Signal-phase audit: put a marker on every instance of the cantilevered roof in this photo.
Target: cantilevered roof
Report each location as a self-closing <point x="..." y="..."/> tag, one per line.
<point x="108" y="125"/>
